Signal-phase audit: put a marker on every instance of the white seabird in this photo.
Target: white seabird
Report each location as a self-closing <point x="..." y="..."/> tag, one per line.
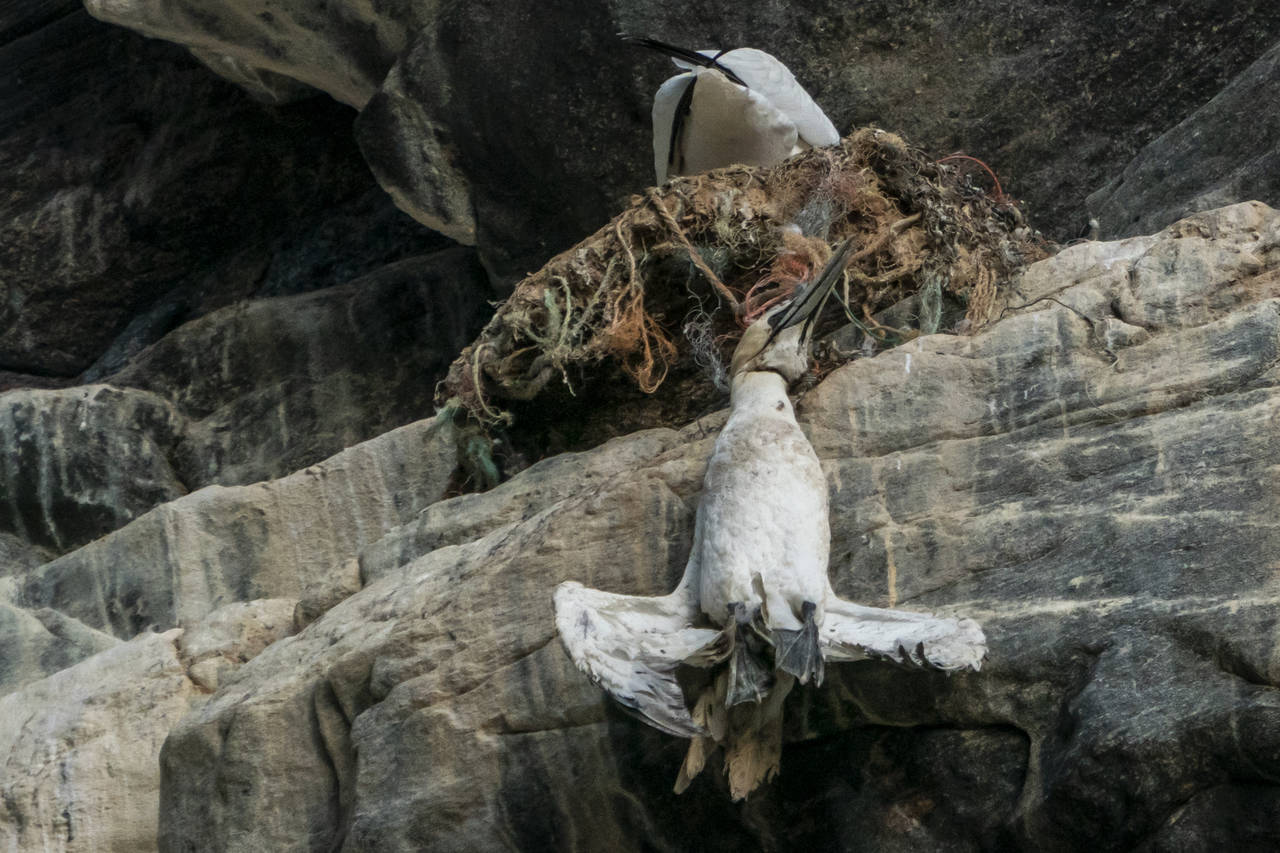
<point x="755" y="593"/>
<point x="731" y="106"/>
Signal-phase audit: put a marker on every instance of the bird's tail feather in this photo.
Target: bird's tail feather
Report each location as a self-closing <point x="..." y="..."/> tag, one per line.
<point x="753" y="743"/>
<point x="711" y="715"/>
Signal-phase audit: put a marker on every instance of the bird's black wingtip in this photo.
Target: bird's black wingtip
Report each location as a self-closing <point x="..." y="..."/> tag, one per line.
<point x="662" y="47"/>
<point x="685" y="55"/>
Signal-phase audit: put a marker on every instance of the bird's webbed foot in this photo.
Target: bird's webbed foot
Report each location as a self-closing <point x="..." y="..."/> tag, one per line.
<point x="797" y="652"/>
<point x="750" y="679"/>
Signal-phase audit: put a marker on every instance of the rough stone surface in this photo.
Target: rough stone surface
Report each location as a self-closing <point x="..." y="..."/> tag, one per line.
<point x="309" y="42"/>
<point x="38" y="643"/>
<point x="272" y="385"/>
<point x="232" y="635"/>
<point x="79" y="750"/>
<point x="17" y="555"/>
<point x="507" y="126"/>
<point x="246" y="393"/>
<point x="1226" y="151"/>
<point x="140" y="191"/>
<point x="294" y="537"/>
<point x="78" y="463"/>
<point x="552" y="480"/>
<point x="1109" y="518"/>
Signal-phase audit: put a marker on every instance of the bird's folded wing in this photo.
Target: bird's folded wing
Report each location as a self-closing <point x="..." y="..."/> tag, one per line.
<point x="631" y="645"/>
<point x="766" y="75"/>
<point x="854" y="632"/>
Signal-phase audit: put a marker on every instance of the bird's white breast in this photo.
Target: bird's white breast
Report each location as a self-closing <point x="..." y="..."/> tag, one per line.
<point x="763" y="534"/>
<point x="728" y="124"/>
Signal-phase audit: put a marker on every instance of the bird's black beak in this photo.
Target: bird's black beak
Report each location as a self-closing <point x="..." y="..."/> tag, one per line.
<point x="808" y="304"/>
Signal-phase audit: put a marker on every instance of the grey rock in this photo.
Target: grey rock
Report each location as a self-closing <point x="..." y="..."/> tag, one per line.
<point x="1226" y="151"/>
<point x="80" y="462"/>
<point x="79" y="750"/>
<point x="411" y="151"/>
<point x="1198" y="823"/>
<point x="1101" y="499"/>
<point x="22" y="19"/>
<point x="266" y="86"/>
<point x="507" y="126"/>
<point x="305" y="42"/>
<point x="545" y="152"/>
<point x="232" y="635"/>
<point x="318" y="598"/>
<point x="39" y="643"/>
<point x="246" y="393"/>
<point x="270" y="386"/>
<point x="141" y="192"/>
<point x="296" y="537"/>
<point x="544" y="484"/>
<point x="17" y="555"/>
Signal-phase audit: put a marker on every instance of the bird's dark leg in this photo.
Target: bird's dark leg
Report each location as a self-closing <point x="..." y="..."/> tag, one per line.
<point x="749" y="679"/>
<point x="797" y="652"/>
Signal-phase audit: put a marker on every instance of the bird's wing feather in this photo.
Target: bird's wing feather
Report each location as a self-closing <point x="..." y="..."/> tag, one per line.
<point x="764" y="74"/>
<point x="684" y="58"/>
<point x="630" y="646"/>
<point x="666" y="104"/>
<point x="854" y="632"/>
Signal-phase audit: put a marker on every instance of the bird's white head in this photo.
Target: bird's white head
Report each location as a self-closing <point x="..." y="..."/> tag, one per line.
<point x="785" y="352"/>
<point x="779" y="341"/>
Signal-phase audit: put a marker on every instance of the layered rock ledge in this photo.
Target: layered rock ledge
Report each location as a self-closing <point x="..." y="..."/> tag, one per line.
<point x="1093" y="476"/>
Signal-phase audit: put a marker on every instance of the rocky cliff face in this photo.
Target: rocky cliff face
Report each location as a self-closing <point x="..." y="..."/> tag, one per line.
<point x="1226" y="150"/>
<point x="513" y="126"/>
<point x="243" y="607"/>
<point x="1092" y="477"/>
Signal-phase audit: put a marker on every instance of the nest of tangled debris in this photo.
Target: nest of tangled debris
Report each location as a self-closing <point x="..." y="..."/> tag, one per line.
<point x="677" y="276"/>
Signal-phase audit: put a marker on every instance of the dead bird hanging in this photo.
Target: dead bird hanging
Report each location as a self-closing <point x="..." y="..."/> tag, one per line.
<point x="755" y="606"/>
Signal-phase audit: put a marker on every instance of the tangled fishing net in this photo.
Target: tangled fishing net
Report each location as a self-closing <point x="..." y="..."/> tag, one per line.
<point x="675" y="278"/>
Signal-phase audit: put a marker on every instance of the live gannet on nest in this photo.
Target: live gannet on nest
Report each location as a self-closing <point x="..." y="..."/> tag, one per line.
<point x="731" y="106"/>
<point x="755" y="604"/>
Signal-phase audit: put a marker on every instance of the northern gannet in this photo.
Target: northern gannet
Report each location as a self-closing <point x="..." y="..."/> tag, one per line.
<point x="731" y="106"/>
<point x="755" y="604"/>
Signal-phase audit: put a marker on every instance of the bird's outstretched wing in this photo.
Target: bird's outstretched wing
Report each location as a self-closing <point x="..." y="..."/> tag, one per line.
<point x="764" y="74"/>
<point x="630" y="646"/>
<point x="854" y="632"/>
